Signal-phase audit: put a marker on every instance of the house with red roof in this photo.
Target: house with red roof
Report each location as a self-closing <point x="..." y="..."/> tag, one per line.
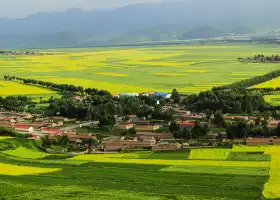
<point x="24" y="128"/>
<point x="186" y="124"/>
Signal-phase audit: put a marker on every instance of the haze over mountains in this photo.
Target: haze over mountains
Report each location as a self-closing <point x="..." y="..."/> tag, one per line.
<point x="167" y="20"/>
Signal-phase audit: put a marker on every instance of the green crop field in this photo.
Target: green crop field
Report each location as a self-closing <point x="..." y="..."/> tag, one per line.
<point x="190" y="69"/>
<point x="138" y="175"/>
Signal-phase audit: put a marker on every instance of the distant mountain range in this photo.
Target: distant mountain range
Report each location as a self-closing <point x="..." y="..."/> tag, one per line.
<point x="164" y="21"/>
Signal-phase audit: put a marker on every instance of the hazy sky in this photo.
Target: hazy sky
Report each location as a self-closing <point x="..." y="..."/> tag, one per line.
<point x="21" y="8"/>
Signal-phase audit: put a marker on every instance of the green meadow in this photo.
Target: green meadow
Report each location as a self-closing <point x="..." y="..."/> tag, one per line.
<point x="223" y="174"/>
<point x="189" y="68"/>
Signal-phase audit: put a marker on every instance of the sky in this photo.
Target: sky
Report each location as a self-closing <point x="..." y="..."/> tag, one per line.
<point x="22" y="8"/>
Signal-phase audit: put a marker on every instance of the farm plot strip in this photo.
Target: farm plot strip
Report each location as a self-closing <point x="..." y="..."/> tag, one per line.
<point x="209" y="154"/>
<point x="251" y="171"/>
<point x="272" y="187"/>
<point x="92" y="180"/>
<point x="15" y="170"/>
<point x="97" y="159"/>
<point x="23" y="152"/>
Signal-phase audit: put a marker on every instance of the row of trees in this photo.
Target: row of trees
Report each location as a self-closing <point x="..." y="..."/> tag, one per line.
<point x="262" y="58"/>
<point x="60" y="87"/>
<point x="250" y="82"/>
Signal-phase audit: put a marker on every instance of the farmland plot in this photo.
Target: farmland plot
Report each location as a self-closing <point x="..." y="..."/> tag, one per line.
<point x="27" y="173"/>
<point x="190" y="69"/>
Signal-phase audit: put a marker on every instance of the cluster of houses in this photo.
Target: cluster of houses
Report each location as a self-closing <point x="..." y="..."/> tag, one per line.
<point x="27" y="123"/>
<point x="147" y="136"/>
<point x="187" y="116"/>
<point x="257" y="141"/>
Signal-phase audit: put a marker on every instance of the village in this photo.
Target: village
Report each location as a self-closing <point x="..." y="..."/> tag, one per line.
<point x="146" y="134"/>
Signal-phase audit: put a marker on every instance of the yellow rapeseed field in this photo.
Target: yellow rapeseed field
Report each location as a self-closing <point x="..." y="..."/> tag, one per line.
<point x="169" y="74"/>
<point x="111" y="74"/>
<point x="243" y="148"/>
<point x="112" y="87"/>
<point x="188" y="68"/>
<point x="272" y="187"/>
<point x="107" y="159"/>
<point x="15" y="170"/>
<point x="14" y="88"/>
<point x="269" y="84"/>
<point x="196" y="71"/>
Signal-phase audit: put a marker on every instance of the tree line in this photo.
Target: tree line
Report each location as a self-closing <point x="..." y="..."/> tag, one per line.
<point x="261" y="58"/>
<point x="59" y="87"/>
<point x="250" y="82"/>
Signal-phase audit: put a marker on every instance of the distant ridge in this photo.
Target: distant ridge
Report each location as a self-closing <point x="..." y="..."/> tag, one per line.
<point x="143" y="22"/>
<point x="243" y="30"/>
<point x="203" y="32"/>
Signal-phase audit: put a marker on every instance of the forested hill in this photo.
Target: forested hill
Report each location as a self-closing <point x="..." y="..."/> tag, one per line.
<point x="77" y="27"/>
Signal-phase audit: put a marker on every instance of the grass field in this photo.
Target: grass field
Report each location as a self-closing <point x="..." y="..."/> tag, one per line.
<point x="4" y="137"/>
<point x="240" y="156"/>
<point x="24" y="152"/>
<point x="190" y="69"/>
<point x="136" y="175"/>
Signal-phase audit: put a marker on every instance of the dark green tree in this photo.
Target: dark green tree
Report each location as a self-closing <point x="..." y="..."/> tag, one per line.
<point x="175" y="96"/>
<point x="174" y="127"/>
<point x="218" y="118"/>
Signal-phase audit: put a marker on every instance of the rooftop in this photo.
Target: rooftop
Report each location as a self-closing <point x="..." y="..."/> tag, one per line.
<point x="22" y="127"/>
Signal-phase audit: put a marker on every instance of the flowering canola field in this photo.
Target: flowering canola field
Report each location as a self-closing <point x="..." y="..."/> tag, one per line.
<point x="190" y="69"/>
<point x="14" y="170"/>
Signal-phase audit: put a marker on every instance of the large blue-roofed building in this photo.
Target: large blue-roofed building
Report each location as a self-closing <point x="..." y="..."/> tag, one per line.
<point x="162" y="94"/>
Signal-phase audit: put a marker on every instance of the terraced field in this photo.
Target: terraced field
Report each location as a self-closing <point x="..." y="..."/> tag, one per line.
<point x="190" y="69"/>
<point x="139" y="175"/>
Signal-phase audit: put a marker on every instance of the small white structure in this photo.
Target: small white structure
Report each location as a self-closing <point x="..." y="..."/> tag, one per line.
<point x="24" y="129"/>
